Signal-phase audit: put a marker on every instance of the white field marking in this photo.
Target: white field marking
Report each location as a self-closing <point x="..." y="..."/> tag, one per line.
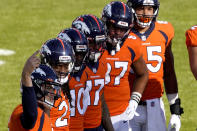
<point x="5" y="52"/>
<point x="2" y="62"/>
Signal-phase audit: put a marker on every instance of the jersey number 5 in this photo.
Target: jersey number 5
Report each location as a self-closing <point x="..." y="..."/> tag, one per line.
<point x="152" y="57"/>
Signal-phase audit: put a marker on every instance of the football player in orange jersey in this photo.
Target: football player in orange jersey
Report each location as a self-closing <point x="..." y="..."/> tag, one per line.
<point x="59" y="55"/>
<point x="40" y="90"/>
<point x="191" y="42"/>
<point x="156" y="40"/>
<point x="78" y="78"/>
<point x="122" y="52"/>
<point x="97" y="115"/>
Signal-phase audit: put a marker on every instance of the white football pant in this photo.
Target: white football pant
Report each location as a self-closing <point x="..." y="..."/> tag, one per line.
<point x="151" y="117"/>
<point x="119" y="124"/>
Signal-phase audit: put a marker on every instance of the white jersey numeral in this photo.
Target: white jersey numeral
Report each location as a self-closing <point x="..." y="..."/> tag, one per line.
<point x="80" y="109"/>
<point x="97" y="82"/>
<point x="62" y="122"/>
<point x="152" y="57"/>
<point x="118" y="64"/>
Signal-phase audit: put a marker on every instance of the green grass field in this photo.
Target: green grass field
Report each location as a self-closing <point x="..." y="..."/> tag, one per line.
<point x="25" y="25"/>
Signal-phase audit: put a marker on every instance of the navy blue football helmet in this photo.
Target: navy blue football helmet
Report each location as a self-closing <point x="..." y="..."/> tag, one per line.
<point x="79" y="43"/>
<point x="95" y="32"/>
<point x="144" y="20"/>
<point x="59" y="55"/>
<point x="46" y="85"/>
<point x="117" y="13"/>
<point x="116" y="16"/>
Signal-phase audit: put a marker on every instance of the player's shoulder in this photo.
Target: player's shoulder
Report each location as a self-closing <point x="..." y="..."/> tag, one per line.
<point x="17" y="110"/>
<point x="164" y="25"/>
<point x="192" y="30"/>
<point x="132" y="40"/>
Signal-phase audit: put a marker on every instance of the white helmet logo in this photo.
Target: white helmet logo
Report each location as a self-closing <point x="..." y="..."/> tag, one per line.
<point x="64" y="36"/>
<point x="107" y="10"/>
<point x="80" y="25"/>
<point x="45" y="49"/>
<point x="40" y="71"/>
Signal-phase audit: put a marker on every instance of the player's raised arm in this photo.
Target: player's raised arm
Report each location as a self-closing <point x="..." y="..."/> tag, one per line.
<point x="29" y="102"/>
<point x="31" y="63"/>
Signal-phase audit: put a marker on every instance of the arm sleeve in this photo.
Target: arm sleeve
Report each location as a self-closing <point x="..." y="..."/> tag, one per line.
<point x="29" y="102"/>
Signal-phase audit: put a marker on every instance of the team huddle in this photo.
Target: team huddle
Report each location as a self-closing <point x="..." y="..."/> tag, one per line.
<point x="105" y="74"/>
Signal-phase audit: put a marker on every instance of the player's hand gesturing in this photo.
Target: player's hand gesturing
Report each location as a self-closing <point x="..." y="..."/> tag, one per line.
<point x="31" y="63"/>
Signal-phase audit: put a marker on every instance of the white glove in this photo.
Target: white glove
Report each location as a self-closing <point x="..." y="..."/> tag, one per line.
<point x="175" y="123"/>
<point x="130" y="111"/>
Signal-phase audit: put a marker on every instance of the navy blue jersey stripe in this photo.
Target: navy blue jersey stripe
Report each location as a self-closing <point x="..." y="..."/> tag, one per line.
<point x="132" y="53"/>
<point x="41" y="122"/>
<point x="165" y="36"/>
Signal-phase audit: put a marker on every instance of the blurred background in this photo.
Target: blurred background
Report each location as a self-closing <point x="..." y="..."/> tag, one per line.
<point x="26" y="24"/>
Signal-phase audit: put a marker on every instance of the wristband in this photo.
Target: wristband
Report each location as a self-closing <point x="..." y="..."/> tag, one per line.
<point x="136" y="96"/>
<point x="176" y="107"/>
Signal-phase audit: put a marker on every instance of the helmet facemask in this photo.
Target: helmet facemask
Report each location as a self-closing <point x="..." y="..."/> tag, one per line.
<point x="63" y="70"/>
<point x="47" y="92"/>
<point x="95" y="48"/>
<point x="143" y="20"/>
<point x="81" y="52"/>
<point x="58" y="54"/>
<point x="114" y="40"/>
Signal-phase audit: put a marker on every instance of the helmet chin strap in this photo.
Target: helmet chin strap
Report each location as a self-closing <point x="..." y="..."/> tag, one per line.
<point x="76" y="68"/>
<point x="63" y="79"/>
<point x="117" y="46"/>
<point x="94" y="56"/>
<point x="116" y="43"/>
<point x="49" y="103"/>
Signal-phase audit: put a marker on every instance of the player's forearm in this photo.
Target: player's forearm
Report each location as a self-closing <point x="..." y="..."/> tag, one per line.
<point x="106" y="120"/>
<point x="141" y="75"/>
<point x="26" y="80"/>
<point x="170" y="80"/>
<point x="194" y="71"/>
<point x="29" y="103"/>
<point x="140" y="83"/>
<point x="171" y="85"/>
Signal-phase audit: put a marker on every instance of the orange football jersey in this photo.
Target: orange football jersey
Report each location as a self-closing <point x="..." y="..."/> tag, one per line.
<point x="60" y="116"/>
<point x="117" y="89"/>
<point x="14" y="123"/>
<point x="154" y="42"/>
<point x="94" y="90"/>
<point x="191" y="36"/>
<point x="77" y="88"/>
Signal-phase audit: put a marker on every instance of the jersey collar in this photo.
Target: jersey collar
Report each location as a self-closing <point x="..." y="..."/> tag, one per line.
<point x="145" y="35"/>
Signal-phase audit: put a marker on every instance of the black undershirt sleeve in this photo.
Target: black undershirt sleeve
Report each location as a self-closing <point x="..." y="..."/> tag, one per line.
<point x="29" y="102"/>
